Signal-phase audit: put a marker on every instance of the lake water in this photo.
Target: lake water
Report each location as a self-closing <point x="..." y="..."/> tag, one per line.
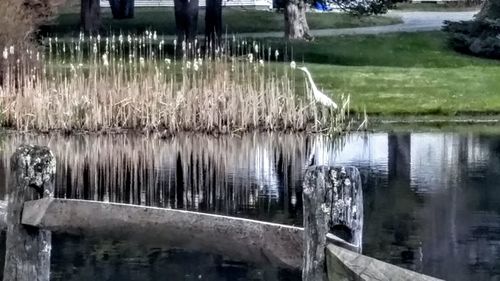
<point x="431" y="200"/>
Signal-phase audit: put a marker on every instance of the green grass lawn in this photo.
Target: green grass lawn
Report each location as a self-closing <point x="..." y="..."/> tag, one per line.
<point x="403" y="74"/>
<point x="235" y="20"/>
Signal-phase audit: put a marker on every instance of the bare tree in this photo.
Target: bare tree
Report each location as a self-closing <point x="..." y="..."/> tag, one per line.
<point x="122" y="9"/>
<point x="186" y="19"/>
<point x="90" y="15"/>
<point x="213" y="21"/>
<point x="296" y="26"/>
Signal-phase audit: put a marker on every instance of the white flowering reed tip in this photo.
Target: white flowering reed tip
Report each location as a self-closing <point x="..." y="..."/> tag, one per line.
<point x="11" y="50"/>
<point x="261" y="62"/>
<point x="168" y="61"/>
<point x="105" y="61"/>
<point x="256" y="48"/>
<point x="94" y="49"/>
<point x="276" y="54"/>
<point x="293" y="65"/>
<point x="5" y="53"/>
<point x="196" y="66"/>
<point x="129" y="39"/>
<point x="188" y="65"/>
<point x="175" y="42"/>
<point x="141" y="61"/>
<point x="155" y="36"/>
<point x="250" y="57"/>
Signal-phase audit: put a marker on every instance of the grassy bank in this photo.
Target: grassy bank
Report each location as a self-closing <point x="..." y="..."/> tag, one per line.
<point x="235" y="20"/>
<point x="403" y="74"/>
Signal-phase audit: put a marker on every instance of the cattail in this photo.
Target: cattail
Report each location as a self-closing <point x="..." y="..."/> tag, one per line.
<point x="105" y="61"/>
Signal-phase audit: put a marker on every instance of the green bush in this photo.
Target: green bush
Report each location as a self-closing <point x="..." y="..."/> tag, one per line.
<point x="477" y="37"/>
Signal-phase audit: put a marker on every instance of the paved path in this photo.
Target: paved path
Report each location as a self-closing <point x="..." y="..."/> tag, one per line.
<point x="412" y="22"/>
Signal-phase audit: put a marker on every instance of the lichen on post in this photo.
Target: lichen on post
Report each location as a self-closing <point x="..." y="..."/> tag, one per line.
<point x="333" y="202"/>
<point x="27" y="254"/>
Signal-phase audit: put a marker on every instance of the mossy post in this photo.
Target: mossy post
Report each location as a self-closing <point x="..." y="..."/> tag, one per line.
<point x="27" y="256"/>
<point x="315" y="224"/>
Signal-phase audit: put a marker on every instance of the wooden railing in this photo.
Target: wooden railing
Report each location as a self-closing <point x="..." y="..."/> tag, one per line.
<point x="32" y="214"/>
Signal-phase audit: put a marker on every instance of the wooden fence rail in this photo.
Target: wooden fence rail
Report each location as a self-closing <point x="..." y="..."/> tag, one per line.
<point x="332" y="196"/>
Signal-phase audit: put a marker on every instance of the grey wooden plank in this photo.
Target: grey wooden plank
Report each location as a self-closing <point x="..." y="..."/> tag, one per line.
<point x="344" y="265"/>
<point x="242" y="239"/>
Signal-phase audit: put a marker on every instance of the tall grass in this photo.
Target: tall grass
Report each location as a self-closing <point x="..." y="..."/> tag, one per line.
<point x="129" y="82"/>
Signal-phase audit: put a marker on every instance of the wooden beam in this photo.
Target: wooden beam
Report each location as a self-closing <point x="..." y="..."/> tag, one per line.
<point x="239" y="238"/>
<point x="344" y="265"/>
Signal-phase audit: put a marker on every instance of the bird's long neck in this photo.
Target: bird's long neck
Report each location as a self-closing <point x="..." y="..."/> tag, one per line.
<point x="311" y="81"/>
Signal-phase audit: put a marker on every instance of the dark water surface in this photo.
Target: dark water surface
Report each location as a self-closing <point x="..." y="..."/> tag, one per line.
<point x="432" y="200"/>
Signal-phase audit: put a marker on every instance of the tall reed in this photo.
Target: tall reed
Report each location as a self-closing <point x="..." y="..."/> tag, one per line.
<point x="95" y="83"/>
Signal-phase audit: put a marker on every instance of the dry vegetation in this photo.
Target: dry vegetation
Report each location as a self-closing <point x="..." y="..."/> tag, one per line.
<point x="127" y="82"/>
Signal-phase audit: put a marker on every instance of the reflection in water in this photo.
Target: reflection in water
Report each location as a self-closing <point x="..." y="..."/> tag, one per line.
<point x="79" y="259"/>
<point x="75" y="258"/>
<point x="431" y="200"/>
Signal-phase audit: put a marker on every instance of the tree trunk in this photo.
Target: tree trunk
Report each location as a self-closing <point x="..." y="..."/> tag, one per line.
<point x="186" y="19"/>
<point x="90" y="14"/>
<point x="490" y="9"/>
<point x="122" y="9"/>
<point x="213" y="21"/>
<point x="295" y="20"/>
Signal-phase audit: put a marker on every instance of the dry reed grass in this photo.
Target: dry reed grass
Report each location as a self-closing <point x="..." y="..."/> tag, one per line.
<point x="128" y="82"/>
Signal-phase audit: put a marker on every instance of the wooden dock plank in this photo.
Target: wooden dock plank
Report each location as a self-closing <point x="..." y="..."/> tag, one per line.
<point x="239" y="238"/>
<point x="344" y="265"/>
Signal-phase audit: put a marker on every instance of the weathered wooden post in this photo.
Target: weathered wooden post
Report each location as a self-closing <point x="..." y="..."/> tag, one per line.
<point x="315" y="224"/>
<point x="27" y="256"/>
<point x="333" y="202"/>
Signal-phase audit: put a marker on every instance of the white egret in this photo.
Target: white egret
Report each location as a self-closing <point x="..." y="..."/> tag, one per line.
<point x="317" y="94"/>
